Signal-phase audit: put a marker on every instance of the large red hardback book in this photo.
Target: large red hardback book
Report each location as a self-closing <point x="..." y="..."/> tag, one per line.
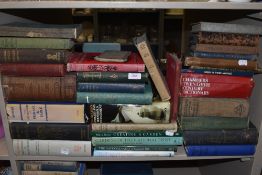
<point x="86" y="62"/>
<point x="20" y="69"/>
<point x="207" y="85"/>
<point x="173" y="73"/>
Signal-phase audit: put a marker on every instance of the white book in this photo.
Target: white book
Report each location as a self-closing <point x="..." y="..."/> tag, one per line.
<point x="116" y="153"/>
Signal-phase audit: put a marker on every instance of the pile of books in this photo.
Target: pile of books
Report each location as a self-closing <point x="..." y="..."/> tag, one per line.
<point x="40" y="94"/>
<point x="215" y="90"/>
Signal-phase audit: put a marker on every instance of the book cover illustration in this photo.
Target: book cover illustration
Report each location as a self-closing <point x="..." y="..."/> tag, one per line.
<point x="157" y="112"/>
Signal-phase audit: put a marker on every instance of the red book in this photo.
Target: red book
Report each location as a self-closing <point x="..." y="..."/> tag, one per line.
<point x="173" y="73"/>
<point x="20" y="69"/>
<point x="207" y="85"/>
<point x="86" y="62"/>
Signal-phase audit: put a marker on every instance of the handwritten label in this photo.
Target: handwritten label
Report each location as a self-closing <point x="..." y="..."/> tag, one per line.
<point x="169" y="132"/>
<point x="242" y="62"/>
<point x="87" y="100"/>
<point x="134" y="76"/>
<point x="65" y="151"/>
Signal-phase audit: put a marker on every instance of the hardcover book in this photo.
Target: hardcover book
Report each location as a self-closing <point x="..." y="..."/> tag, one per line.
<point x="35" y="43"/>
<point x="48" y="166"/>
<point x="116" y="77"/>
<point x="157" y="112"/>
<point x="40" y="30"/>
<point x="18" y="88"/>
<point x="220" y="150"/>
<point x="100" y="47"/>
<point x="51" y="148"/>
<point x="50" y="131"/>
<point x="45" y="112"/>
<point x="86" y="62"/>
<point x="226" y="28"/>
<point x="111" y="87"/>
<point x="213" y="107"/>
<point x="223" y="136"/>
<point x="121" y="153"/>
<point x="222" y="63"/>
<point x="218" y="86"/>
<point x="47" y="56"/>
<point x="20" y="69"/>
<point x="113" y="56"/>
<point x="146" y="53"/>
<point x="116" y="98"/>
<point x="224" y="55"/>
<point x="137" y="148"/>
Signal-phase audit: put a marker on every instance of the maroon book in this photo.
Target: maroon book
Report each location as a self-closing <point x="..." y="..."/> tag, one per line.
<point x="173" y="73"/>
<point x="20" y="69"/>
<point x="86" y="62"/>
<point x="207" y="85"/>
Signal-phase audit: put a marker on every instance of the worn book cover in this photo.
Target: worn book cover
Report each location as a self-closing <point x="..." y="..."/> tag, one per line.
<point x="251" y="65"/>
<point x="113" y="56"/>
<point x="40" y="30"/>
<point x="219" y="86"/>
<point x="213" y="107"/>
<point x="157" y="112"/>
<point x="21" y="88"/>
<point x="224" y="55"/>
<point x="86" y="62"/>
<point x="152" y="66"/>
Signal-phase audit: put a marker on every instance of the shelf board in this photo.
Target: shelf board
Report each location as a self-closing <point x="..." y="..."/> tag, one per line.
<point x="180" y="155"/>
<point x="3" y="150"/>
<point x="128" y="4"/>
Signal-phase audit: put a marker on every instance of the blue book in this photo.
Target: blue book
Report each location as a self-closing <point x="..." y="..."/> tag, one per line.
<point x="223" y="55"/>
<point x="27" y="166"/>
<point x="219" y="72"/>
<point x="82" y="169"/>
<point x="220" y="150"/>
<point x="111" y="87"/>
<point x="126" y="169"/>
<point x="100" y="47"/>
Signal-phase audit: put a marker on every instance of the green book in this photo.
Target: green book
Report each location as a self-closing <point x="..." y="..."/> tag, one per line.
<point x="213" y="123"/>
<point x="36" y="43"/>
<point x="116" y="98"/>
<point x="137" y="148"/>
<point x="137" y="141"/>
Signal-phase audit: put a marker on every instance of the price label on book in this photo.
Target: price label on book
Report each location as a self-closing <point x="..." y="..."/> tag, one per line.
<point x="242" y="62"/>
<point x="134" y="76"/>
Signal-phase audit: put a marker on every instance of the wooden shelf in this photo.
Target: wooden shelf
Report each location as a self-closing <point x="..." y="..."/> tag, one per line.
<point x="180" y="155"/>
<point x="128" y="4"/>
<point x="3" y="150"/>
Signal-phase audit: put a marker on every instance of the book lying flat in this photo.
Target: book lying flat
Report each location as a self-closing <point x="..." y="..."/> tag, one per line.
<point x="113" y="56"/>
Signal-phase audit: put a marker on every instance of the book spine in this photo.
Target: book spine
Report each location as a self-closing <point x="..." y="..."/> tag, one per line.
<point x="18" y="88"/>
<point x="225" y="49"/>
<point x="137" y="148"/>
<point x="49" y="131"/>
<point x="42" y="112"/>
<point x="146" y="53"/>
<point x="29" y="56"/>
<point x="135" y="133"/>
<point x="49" y="162"/>
<point x="213" y="71"/>
<point x="116" y="98"/>
<point x="213" y="123"/>
<point x="222" y="86"/>
<point x="222" y="63"/>
<point x="220" y="150"/>
<point x="51" y="147"/>
<point x="130" y="127"/>
<point x="107" y="153"/>
<point x="111" y="87"/>
<point x="120" y="77"/>
<point x="35" y="43"/>
<point x="19" y="69"/>
<point x="47" y="173"/>
<point x="137" y="141"/>
<point x="234" y="39"/>
<point x="224" y="55"/>
<point x="46" y="167"/>
<point x="215" y="137"/>
<point x="213" y="107"/>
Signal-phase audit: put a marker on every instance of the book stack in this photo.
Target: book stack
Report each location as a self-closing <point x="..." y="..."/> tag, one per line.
<point x="52" y="167"/>
<point x="40" y="95"/>
<point x="215" y="90"/>
<point x="118" y="97"/>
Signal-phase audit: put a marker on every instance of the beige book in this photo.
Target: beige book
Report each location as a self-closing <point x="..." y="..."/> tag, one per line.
<point x="146" y="53"/>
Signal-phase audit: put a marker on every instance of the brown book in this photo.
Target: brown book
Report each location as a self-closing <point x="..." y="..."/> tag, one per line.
<point x="225" y="48"/>
<point x="222" y="63"/>
<point x="213" y="107"/>
<point x="234" y="39"/>
<point x="154" y="71"/>
<point x="17" y="88"/>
